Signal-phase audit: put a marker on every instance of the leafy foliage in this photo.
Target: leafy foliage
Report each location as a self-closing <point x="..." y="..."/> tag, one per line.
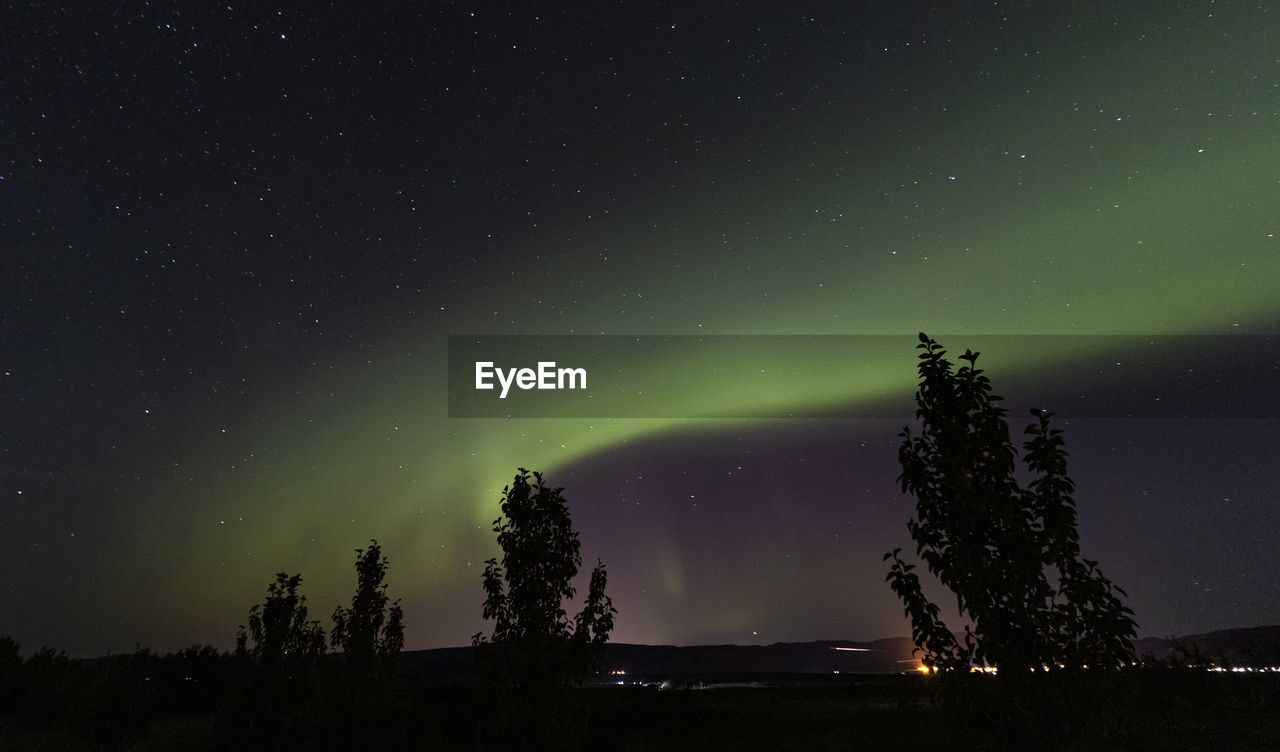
<point x="371" y="632"/>
<point x="279" y="627"/>
<point x="1010" y="554"/>
<point x="534" y="643"/>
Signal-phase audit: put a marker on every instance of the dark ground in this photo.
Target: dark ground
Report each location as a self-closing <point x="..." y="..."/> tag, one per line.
<point x="1144" y="710"/>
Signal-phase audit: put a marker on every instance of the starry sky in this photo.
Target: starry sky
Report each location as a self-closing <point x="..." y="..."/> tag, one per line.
<point x="235" y="241"/>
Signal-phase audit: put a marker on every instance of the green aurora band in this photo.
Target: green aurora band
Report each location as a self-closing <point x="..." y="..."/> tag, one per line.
<point x="1084" y="209"/>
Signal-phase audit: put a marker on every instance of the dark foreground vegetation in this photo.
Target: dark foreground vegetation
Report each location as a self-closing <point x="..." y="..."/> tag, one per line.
<point x="200" y="700"/>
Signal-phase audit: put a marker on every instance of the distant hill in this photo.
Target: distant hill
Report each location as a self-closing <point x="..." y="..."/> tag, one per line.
<point x="885" y="656"/>
<point x="1248" y="646"/>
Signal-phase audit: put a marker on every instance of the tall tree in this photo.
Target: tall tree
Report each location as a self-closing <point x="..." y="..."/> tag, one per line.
<point x="534" y="643"/>
<point x="1011" y="555"/>
<point x="371" y="632"/>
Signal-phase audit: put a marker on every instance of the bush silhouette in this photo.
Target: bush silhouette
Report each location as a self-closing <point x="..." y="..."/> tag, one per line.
<point x="274" y="679"/>
<point x="279" y="627"/>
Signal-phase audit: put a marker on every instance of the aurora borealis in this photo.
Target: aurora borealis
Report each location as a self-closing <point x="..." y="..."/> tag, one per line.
<point x="235" y="242"/>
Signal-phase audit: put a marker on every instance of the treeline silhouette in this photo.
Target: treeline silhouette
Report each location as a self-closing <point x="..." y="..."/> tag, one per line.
<point x="280" y="688"/>
<point x="292" y="685"/>
<point x="105" y="702"/>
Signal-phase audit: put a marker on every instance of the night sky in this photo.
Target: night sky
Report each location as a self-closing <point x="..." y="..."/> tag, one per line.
<point x="234" y="242"/>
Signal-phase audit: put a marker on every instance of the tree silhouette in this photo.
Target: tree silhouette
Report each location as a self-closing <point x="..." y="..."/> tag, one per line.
<point x="279" y="627"/>
<point x="1010" y="554"/>
<point x="534" y="644"/>
<point x="371" y="632"/>
<point x="266" y="693"/>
